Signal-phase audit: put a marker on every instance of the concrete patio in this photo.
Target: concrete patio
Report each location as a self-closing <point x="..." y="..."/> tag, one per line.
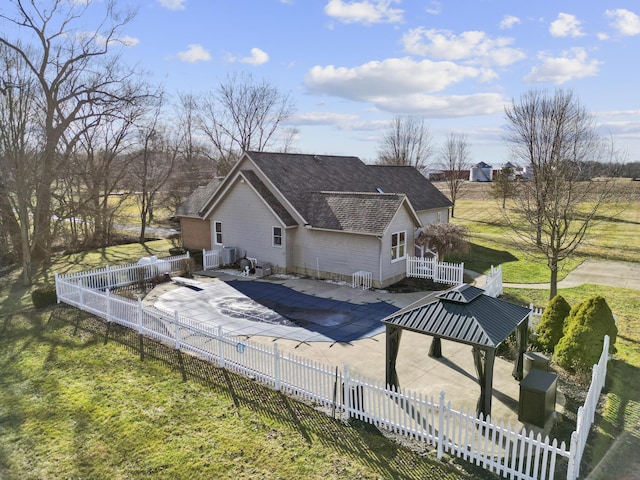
<point x="454" y="373"/>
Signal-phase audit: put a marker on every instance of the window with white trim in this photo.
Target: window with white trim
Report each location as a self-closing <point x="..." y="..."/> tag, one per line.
<point x="439" y="217"/>
<point x="277" y="236"/>
<point x="217" y="233"/>
<point x="398" y="250"/>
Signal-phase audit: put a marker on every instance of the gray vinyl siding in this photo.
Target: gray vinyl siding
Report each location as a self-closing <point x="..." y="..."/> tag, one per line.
<point x="428" y="217"/>
<point x="394" y="271"/>
<point x="335" y="255"/>
<point x="247" y="225"/>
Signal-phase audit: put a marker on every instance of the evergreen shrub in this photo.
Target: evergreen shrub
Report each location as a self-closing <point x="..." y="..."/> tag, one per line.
<point x="582" y="343"/>
<point x="551" y="324"/>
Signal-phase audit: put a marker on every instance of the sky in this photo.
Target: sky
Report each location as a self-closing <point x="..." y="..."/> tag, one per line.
<point x="350" y="66"/>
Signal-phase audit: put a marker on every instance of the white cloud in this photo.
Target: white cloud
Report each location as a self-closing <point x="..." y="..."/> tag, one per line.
<point x="573" y="64"/>
<point x="445" y="106"/>
<point x="129" y="41"/>
<point x="508" y="21"/>
<point x="173" y="4"/>
<point x="394" y="76"/>
<point x="324" y="118"/>
<point x="257" y="57"/>
<point x="474" y="46"/>
<point x="624" y="21"/>
<point x="125" y="41"/>
<point x="366" y="11"/>
<point x="403" y="85"/>
<point x="435" y="8"/>
<point x="195" y="53"/>
<point x="603" y="36"/>
<point x="566" y="25"/>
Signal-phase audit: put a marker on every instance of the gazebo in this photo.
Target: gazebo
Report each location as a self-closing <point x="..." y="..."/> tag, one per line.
<point x="463" y="314"/>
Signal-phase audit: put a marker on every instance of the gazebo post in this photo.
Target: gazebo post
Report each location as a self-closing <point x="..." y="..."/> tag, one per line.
<point x="483" y="358"/>
<point x="435" y="351"/>
<point x="489" y="361"/>
<point x="393" y="335"/>
<point x="522" y="337"/>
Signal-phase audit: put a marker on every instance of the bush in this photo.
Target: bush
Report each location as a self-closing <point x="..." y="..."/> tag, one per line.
<point x="44" y="297"/>
<point x="551" y="324"/>
<point x="586" y="326"/>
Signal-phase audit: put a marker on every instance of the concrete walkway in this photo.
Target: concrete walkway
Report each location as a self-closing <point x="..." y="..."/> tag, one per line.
<point x="594" y="272"/>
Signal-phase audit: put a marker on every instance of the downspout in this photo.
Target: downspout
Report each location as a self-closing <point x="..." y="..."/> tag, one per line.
<point x="380" y="263"/>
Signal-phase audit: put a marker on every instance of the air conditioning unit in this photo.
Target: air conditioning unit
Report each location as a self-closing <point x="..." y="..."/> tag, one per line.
<point x="228" y="255"/>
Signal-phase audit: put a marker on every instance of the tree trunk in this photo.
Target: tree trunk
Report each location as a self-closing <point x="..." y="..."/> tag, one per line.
<point x="553" y="283"/>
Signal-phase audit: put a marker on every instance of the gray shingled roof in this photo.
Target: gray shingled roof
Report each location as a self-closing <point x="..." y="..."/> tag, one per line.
<point x="463" y="314"/>
<point x="268" y="197"/>
<point x="197" y="200"/>
<point x="298" y="176"/>
<point x="367" y="213"/>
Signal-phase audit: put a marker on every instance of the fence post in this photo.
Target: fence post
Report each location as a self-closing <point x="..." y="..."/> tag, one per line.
<point x="347" y="394"/>
<point x="108" y="277"/>
<point x="140" y="312"/>
<point x="176" y="319"/>
<point x="440" y="432"/>
<point x="572" y="473"/>
<point x="108" y="306"/>
<point x="276" y="367"/>
<point x="461" y="279"/>
<point x="220" y="347"/>
<point x="55" y="276"/>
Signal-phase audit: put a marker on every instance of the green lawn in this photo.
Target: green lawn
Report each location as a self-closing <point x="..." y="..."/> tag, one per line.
<point x="78" y="401"/>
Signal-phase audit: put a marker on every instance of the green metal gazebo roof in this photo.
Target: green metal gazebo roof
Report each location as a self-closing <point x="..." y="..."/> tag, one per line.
<point x="462" y="314"/>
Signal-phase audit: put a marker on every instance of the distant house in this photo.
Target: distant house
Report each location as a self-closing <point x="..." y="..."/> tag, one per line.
<point x="317" y="215"/>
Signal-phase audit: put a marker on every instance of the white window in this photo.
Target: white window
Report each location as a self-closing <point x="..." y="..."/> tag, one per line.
<point x="439" y="217"/>
<point x="217" y="233"/>
<point x="398" y="250"/>
<point x="277" y="236"/>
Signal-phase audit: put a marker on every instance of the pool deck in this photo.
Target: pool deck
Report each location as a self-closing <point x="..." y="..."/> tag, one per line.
<point x="454" y="373"/>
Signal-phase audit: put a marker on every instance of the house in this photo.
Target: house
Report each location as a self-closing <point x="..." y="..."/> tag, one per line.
<point x="316" y="215"/>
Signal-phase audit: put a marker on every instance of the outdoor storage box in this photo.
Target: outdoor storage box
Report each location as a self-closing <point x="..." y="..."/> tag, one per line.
<point x="537" y="397"/>
<point x="534" y="360"/>
<point x="263" y="269"/>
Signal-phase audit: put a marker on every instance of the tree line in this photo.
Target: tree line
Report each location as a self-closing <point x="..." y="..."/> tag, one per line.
<point x="81" y="132"/>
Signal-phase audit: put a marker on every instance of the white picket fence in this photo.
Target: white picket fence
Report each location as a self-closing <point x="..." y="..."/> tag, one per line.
<point x="122" y="275"/>
<point x="493" y="283"/>
<point x="210" y="259"/>
<point x="431" y="268"/>
<point x="494" y="446"/>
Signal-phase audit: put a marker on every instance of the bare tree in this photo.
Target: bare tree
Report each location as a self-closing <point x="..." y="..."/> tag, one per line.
<point x="18" y="155"/>
<point x="152" y="165"/>
<point x="244" y="114"/>
<point x="504" y="185"/>
<point x="98" y="168"/>
<point x="407" y="141"/>
<point x="72" y="67"/>
<point x="557" y="137"/>
<point x="455" y="161"/>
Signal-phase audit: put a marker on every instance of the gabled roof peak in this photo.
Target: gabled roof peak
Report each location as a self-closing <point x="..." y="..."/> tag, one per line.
<point x="461" y="294"/>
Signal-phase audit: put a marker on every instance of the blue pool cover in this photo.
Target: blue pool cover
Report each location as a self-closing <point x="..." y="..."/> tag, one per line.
<point x="339" y="320"/>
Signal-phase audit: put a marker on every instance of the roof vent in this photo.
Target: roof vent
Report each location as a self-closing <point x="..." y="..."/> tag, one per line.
<point x="379" y="190"/>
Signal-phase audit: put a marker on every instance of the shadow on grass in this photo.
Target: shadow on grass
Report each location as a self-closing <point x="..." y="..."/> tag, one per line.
<point x="480" y="258"/>
<point x="620" y="416"/>
<point x="357" y="441"/>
